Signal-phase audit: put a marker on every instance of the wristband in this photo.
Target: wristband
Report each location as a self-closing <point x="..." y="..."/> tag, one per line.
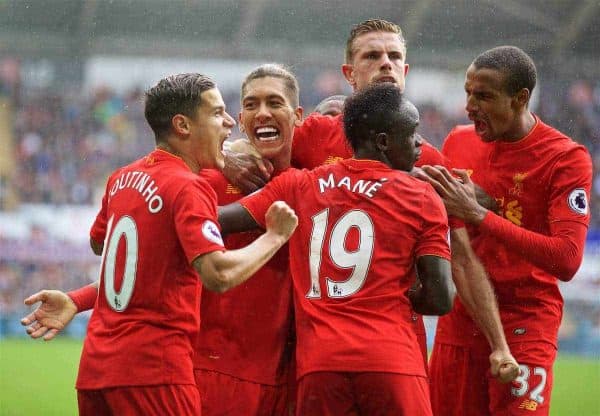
<point x="84" y="298"/>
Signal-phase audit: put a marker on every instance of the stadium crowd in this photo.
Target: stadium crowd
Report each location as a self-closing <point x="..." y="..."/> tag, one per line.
<point x="66" y="144"/>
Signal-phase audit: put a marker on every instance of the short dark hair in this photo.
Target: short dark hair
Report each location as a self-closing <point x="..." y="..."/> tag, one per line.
<point x="368" y="26"/>
<point x="319" y="108"/>
<point x="175" y="94"/>
<point x="276" y="71"/>
<point x="378" y="108"/>
<point x="517" y="66"/>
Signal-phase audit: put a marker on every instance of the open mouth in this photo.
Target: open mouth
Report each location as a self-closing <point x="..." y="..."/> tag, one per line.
<point x="480" y="126"/>
<point x="266" y="134"/>
<point x="387" y="79"/>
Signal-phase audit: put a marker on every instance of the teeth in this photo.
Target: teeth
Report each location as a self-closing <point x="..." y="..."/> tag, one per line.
<point x="263" y="130"/>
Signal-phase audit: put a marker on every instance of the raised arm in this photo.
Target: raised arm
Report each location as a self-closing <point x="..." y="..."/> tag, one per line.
<point x="223" y="270"/>
<point x="435" y="294"/>
<point x="234" y="218"/>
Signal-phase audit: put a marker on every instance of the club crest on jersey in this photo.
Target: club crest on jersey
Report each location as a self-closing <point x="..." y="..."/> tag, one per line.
<point x="518" y="179"/>
<point x="578" y="201"/>
<point x="211" y="232"/>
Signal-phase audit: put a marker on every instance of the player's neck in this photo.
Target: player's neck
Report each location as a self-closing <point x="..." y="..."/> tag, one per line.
<point x="281" y="162"/>
<point x="523" y="126"/>
<point x="371" y="155"/>
<point x="189" y="161"/>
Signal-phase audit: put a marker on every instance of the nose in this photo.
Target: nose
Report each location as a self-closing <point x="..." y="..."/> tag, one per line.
<point x="385" y="61"/>
<point x="229" y="121"/>
<point x="470" y="105"/>
<point x="263" y="112"/>
<point x="418" y="140"/>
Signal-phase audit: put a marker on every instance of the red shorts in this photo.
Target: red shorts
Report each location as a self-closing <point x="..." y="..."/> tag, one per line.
<point x="222" y="394"/>
<point x="362" y="393"/>
<point x="172" y="399"/>
<point x="461" y="382"/>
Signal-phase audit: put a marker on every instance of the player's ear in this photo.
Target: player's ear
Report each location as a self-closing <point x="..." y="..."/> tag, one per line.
<point x="180" y="124"/>
<point x="521" y="98"/>
<point x="382" y="142"/>
<point x="348" y="72"/>
<point x="299" y="113"/>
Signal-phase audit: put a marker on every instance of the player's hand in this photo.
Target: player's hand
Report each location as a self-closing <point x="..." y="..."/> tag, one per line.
<point x="247" y="172"/>
<point x="503" y="366"/>
<point x="484" y="199"/>
<point x="458" y="193"/>
<point x="281" y="219"/>
<point x="51" y="316"/>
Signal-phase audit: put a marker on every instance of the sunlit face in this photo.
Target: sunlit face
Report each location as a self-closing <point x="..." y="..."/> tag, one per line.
<point x="378" y="57"/>
<point x="209" y="129"/>
<point x="268" y="116"/>
<point x="494" y="112"/>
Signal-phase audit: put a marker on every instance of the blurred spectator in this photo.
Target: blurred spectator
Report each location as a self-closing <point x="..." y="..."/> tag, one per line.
<point x="67" y="142"/>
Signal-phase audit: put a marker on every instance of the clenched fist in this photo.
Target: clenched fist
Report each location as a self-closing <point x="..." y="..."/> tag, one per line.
<point x="281" y="219"/>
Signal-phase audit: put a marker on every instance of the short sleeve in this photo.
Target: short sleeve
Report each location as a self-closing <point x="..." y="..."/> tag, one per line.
<point x="433" y="239"/>
<point x="195" y="217"/>
<point x="279" y="189"/>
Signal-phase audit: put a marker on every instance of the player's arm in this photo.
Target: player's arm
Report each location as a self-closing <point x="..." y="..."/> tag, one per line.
<point x="477" y="295"/>
<point x="223" y="270"/>
<point x="234" y="218"/>
<point x="435" y="293"/>
<point x="96" y="246"/>
<point x="246" y="170"/>
<point x="559" y="254"/>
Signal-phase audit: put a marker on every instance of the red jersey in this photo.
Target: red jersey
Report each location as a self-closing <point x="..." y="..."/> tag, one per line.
<point x="361" y="227"/>
<point x="321" y="140"/>
<point x="157" y="216"/>
<point x="244" y="332"/>
<point x="535" y="182"/>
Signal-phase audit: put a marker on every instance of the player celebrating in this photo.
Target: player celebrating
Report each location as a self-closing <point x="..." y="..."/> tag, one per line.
<point x="242" y="357"/>
<point x="356" y="350"/>
<point x="157" y="232"/>
<point x="541" y="180"/>
<point x="376" y="52"/>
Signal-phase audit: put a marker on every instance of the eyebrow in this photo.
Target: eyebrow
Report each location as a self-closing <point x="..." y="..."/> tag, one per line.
<point x="269" y="97"/>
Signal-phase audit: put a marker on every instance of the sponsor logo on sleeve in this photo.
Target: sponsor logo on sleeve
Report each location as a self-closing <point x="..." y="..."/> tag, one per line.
<point x="211" y="232"/>
<point x="578" y="201"/>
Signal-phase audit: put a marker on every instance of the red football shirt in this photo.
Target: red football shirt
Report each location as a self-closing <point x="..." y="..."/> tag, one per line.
<point x="157" y="216"/>
<point x="535" y="181"/>
<point x="321" y="140"/>
<point x="352" y="257"/>
<point x="245" y="332"/>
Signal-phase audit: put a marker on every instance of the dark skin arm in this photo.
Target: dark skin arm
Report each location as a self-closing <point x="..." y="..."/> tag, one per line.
<point x="247" y="172"/>
<point x="435" y="293"/>
<point x="96" y="247"/>
<point x="234" y="218"/>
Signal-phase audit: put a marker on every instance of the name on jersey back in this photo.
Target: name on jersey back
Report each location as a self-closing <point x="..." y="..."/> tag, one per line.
<point x="360" y="186"/>
<point x="144" y="184"/>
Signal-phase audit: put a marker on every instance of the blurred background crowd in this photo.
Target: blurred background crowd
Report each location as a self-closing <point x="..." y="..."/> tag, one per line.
<point x="61" y="134"/>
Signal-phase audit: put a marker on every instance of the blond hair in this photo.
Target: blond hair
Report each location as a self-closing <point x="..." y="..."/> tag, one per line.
<point x="368" y="26"/>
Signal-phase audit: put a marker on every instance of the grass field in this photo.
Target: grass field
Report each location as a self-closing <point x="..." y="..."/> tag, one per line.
<point x="37" y="378"/>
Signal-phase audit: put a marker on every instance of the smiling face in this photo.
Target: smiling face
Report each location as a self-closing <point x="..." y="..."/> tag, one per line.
<point x="268" y="117"/>
<point x="377" y="57"/>
<point x="494" y="112"/>
<point x="208" y="129"/>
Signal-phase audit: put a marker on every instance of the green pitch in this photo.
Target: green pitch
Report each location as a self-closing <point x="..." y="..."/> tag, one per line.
<point x="37" y="378"/>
